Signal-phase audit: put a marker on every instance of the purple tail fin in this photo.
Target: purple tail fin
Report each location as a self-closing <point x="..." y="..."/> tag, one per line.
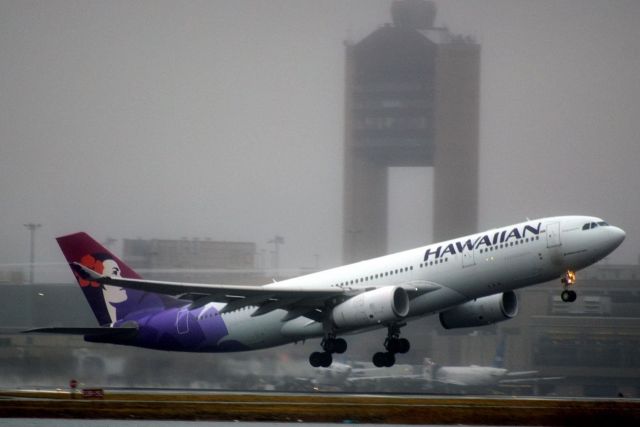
<point x="109" y="303"/>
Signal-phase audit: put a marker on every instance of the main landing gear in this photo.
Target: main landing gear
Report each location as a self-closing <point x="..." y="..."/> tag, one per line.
<point x="330" y="345"/>
<point x="394" y="344"/>
<point x="569" y="279"/>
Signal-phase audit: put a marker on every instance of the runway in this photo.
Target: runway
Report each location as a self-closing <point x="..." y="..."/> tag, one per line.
<point x="340" y="408"/>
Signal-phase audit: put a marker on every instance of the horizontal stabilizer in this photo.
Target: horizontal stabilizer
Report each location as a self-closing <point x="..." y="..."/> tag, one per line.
<point x="122" y="332"/>
<point x="84" y="272"/>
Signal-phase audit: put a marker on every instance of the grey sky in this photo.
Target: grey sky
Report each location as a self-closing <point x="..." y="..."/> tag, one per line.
<point x="224" y="119"/>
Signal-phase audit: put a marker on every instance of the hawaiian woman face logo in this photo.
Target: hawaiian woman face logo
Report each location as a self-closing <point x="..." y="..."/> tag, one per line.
<point x="101" y="263"/>
<point x="110" y="268"/>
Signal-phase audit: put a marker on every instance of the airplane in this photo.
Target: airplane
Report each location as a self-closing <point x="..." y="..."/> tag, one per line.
<point x="474" y="376"/>
<point x="430" y="375"/>
<point x="468" y="282"/>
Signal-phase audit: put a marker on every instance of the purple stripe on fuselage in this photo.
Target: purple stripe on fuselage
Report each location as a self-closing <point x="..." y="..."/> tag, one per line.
<point x="181" y="329"/>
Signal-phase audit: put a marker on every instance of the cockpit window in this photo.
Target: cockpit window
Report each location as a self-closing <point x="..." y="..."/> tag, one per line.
<point x="591" y="225"/>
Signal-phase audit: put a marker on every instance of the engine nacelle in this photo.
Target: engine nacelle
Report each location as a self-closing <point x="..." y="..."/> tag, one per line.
<point x="481" y="311"/>
<point x="386" y="304"/>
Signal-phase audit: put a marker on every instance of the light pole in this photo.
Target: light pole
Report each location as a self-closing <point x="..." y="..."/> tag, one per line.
<point x="32" y="227"/>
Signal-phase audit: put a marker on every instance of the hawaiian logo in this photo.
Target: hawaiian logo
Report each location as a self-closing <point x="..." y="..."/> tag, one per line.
<point x="111" y="295"/>
<point x="483" y="241"/>
<point x="100" y="263"/>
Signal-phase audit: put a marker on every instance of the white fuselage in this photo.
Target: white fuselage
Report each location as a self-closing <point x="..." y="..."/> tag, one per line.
<point x="458" y="270"/>
<point x="476" y="376"/>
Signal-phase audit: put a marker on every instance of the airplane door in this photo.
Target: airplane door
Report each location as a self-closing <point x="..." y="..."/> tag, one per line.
<point x="468" y="258"/>
<point x="553" y="234"/>
<point x="182" y="321"/>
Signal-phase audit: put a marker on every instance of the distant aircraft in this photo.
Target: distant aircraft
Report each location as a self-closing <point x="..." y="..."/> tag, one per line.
<point x="431" y="376"/>
<point x="469" y="281"/>
<point x="474" y="376"/>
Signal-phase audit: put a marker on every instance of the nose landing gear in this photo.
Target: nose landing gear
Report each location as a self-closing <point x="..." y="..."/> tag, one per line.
<point x="569" y="279"/>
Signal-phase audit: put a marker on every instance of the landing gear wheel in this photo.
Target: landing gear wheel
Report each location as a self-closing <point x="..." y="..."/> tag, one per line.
<point x="315" y="359"/>
<point x="340" y="346"/>
<point x="379" y="359"/>
<point x="334" y="345"/>
<point x="386" y="360"/>
<point x="569" y="279"/>
<point x="568" y="296"/>
<point x="398" y="345"/>
<point x="327" y="360"/>
<point x="394" y="345"/>
<point x="390" y="360"/>
<point x="330" y="344"/>
<point x="404" y="346"/>
<point x="320" y="359"/>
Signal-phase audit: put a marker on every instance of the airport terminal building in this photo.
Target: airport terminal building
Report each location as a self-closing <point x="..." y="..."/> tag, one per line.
<point x="593" y="343"/>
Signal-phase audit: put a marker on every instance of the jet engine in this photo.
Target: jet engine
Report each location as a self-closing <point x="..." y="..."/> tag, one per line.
<point x="481" y="311"/>
<point x="386" y="304"/>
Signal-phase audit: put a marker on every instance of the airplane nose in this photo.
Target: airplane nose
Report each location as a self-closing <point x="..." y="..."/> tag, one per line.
<point x="618" y="235"/>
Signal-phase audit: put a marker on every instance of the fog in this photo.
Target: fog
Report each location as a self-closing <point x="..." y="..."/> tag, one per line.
<point x="225" y="119"/>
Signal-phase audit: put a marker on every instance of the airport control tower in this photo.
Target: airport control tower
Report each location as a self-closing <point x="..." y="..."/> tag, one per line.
<point x="412" y="100"/>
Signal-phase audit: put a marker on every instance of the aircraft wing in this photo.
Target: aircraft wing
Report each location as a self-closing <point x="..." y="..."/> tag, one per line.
<point x="297" y="301"/>
<point x="354" y="379"/>
<point x="520" y="373"/>
<point x="530" y="380"/>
